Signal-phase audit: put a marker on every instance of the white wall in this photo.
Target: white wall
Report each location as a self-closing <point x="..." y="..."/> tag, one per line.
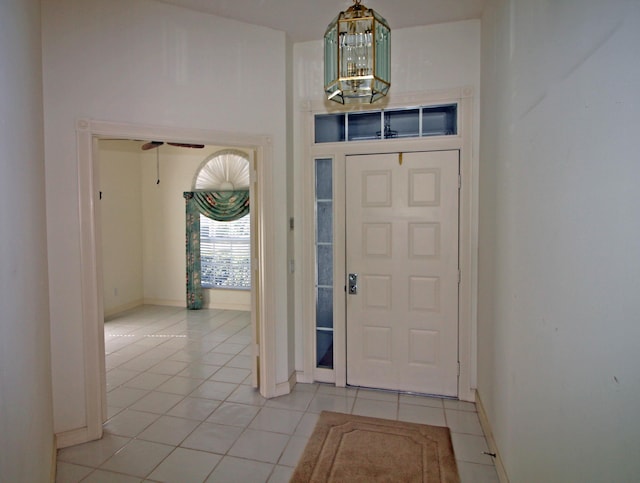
<point x="559" y="327"/>
<point x="121" y="225"/>
<point x="148" y="63"/>
<point x="423" y="59"/>
<point x="27" y="448"/>
<point x="164" y="221"/>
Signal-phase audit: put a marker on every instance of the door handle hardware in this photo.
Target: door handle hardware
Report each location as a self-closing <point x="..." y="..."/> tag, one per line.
<point x="353" y="284"/>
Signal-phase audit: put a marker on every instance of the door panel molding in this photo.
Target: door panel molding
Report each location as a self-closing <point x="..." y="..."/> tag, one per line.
<point x="402" y="326"/>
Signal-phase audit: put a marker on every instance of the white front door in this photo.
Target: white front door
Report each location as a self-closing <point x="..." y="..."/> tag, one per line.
<point x="402" y="243"/>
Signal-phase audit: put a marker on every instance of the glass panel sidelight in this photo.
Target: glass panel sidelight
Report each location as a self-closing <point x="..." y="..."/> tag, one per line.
<point x="324" y="354"/>
<point x="324" y="262"/>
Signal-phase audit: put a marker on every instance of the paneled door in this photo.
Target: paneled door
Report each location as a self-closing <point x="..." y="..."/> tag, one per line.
<point x="402" y="266"/>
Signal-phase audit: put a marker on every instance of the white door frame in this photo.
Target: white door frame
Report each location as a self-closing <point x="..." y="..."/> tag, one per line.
<point x="87" y="132"/>
<point x="468" y="220"/>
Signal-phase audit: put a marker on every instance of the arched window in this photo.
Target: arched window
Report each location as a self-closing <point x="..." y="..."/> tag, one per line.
<point x="225" y="246"/>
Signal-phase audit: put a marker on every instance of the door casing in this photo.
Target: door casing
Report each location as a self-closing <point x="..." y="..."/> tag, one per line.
<point x="263" y="303"/>
<point x="464" y="141"/>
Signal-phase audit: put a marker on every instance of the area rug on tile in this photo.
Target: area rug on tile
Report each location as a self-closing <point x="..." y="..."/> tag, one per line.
<point x="349" y="448"/>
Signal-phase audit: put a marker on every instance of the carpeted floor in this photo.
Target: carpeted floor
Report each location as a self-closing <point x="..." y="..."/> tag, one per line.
<point x="350" y="448"/>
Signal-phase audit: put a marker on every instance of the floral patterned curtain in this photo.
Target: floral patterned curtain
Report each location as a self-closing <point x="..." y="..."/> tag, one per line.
<point x="194" y="285"/>
<point x="219" y="206"/>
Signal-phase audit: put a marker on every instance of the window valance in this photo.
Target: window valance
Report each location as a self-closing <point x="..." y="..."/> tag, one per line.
<point x="217" y="205"/>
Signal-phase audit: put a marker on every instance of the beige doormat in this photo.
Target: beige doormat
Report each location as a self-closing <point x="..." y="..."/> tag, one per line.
<point x="349" y="448"/>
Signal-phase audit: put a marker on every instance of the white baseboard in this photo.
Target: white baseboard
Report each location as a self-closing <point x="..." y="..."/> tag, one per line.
<point x="284" y="388"/>
<point x="54" y="459"/>
<point x="491" y="442"/>
<point x="182" y="303"/>
<point x="165" y="302"/>
<point x="73" y="437"/>
<point x="301" y="378"/>
<point x="223" y="306"/>
<point x="293" y="380"/>
<point x="122" y="308"/>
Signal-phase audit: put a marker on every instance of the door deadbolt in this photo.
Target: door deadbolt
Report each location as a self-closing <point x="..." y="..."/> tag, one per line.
<point x="353" y="284"/>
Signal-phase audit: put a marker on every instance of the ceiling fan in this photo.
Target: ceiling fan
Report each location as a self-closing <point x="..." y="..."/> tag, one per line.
<point x="155" y="144"/>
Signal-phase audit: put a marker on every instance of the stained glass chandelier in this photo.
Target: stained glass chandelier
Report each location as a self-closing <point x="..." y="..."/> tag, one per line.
<point x="357" y="52"/>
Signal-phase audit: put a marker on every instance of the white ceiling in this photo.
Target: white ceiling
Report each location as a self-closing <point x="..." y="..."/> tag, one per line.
<point x="306" y="20"/>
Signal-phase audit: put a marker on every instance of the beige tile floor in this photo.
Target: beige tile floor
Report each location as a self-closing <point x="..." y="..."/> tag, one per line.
<point x="181" y="408"/>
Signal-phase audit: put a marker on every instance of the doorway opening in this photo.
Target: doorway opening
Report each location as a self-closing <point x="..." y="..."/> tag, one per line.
<point x="143" y="223"/>
<point x="263" y="331"/>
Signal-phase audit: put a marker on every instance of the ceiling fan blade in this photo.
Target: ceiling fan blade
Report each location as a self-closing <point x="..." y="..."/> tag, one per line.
<point x="151" y="145"/>
<point x="187" y="145"/>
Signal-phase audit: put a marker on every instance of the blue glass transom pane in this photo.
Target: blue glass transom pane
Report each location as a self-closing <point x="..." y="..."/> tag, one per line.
<point x="364" y="125"/>
<point x="440" y="120"/>
<point x="397" y="123"/>
<point x="403" y="123"/>
<point x="329" y="128"/>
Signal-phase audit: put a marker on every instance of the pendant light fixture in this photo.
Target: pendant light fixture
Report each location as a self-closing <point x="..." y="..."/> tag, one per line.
<point x="357" y="51"/>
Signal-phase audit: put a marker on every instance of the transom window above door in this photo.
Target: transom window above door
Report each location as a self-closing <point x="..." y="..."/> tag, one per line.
<point x="410" y="122"/>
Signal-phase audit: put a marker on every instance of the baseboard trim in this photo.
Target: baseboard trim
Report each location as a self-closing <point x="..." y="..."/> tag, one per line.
<point x="54" y="459"/>
<point x="223" y="306"/>
<point x="73" y="437"/>
<point x="173" y="303"/>
<point x="122" y="308"/>
<point x="491" y="442"/>
<point x="293" y="380"/>
<point x="165" y="302"/>
<point x="302" y="378"/>
<point x="284" y="388"/>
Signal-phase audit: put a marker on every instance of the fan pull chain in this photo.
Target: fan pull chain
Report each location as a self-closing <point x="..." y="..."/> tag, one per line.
<point x="158" y="165"/>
